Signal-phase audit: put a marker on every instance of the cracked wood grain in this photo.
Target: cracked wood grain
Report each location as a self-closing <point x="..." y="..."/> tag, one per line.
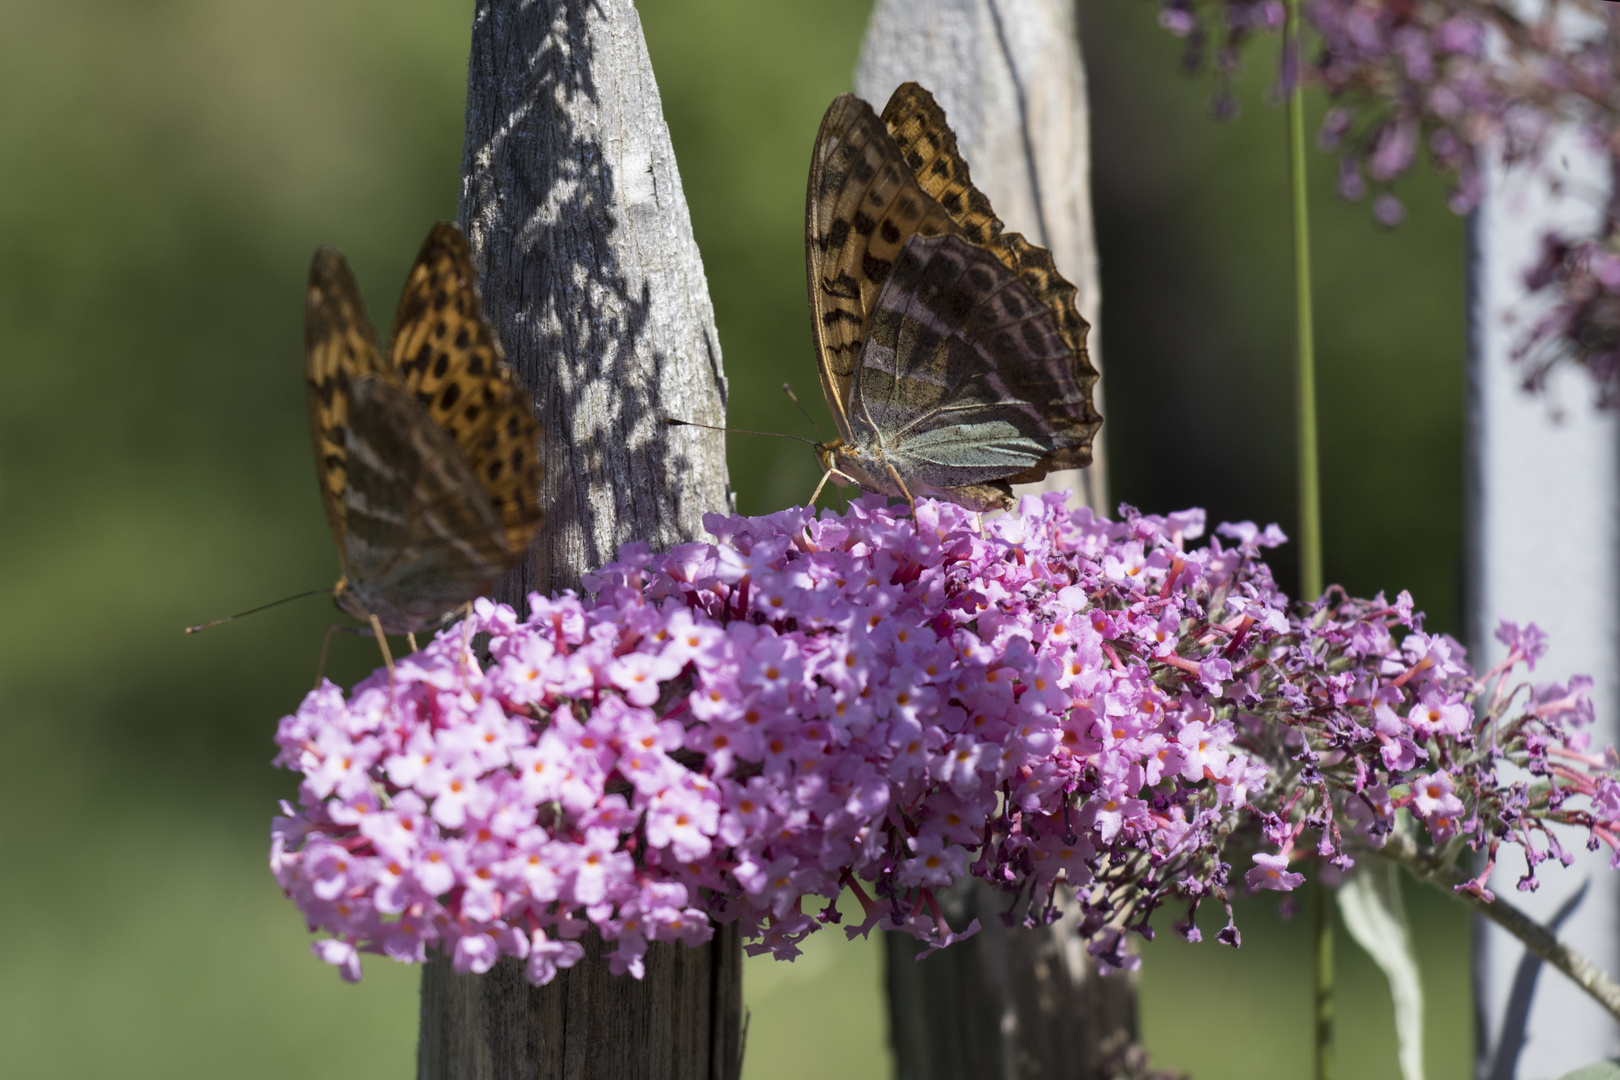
<point x="592" y="279"/>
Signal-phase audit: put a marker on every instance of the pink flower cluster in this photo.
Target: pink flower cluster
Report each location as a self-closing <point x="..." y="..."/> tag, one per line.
<point x="886" y="704"/>
<point x="1368" y="727"/>
<point x="1411" y="76"/>
<point x="730" y="728"/>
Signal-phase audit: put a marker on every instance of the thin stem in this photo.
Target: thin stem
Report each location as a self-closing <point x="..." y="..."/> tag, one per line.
<point x="1322" y="971"/>
<point x="1310" y="485"/>
<point x="1536" y="938"/>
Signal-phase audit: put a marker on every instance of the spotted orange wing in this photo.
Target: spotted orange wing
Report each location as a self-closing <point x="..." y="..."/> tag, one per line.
<point x="863" y="204"/>
<point x="428" y="457"/>
<point x="339" y="344"/>
<point x="450" y="361"/>
<point x="918" y="126"/>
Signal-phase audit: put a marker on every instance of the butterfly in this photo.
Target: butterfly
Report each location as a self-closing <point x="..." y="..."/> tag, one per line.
<point x="951" y="353"/>
<point x="427" y="454"/>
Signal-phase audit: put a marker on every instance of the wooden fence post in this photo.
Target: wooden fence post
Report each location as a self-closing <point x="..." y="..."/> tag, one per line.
<point x="592" y="279"/>
<point x="1011" y="1003"/>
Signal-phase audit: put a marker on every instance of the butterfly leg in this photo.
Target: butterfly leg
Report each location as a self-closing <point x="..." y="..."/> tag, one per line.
<point x="320" y="667"/>
<point x="816" y="494"/>
<point x="410" y="637"/>
<point x="382" y="643"/>
<point x="828" y="475"/>
<point x="910" y="498"/>
<point x="466" y="640"/>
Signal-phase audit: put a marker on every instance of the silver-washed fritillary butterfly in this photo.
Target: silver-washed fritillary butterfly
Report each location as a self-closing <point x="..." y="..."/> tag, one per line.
<point x="951" y="353"/>
<point x="427" y="454"/>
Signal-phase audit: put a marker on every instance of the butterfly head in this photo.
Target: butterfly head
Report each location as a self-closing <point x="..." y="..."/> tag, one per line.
<point x="409" y="615"/>
<point x="827" y="454"/>
<point x="345" y="600"/>
<point x="850" y="465"/>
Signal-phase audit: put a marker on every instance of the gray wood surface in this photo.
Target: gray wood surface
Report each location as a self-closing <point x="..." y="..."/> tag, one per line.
<point x="1010" y="1003"/>
<point x="592" y="280"/>
<point x="572" y="201"/>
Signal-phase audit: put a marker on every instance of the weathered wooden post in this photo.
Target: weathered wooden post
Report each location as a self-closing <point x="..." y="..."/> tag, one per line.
<point x="1011" y="1003"/>
<point x="591" y="277"/>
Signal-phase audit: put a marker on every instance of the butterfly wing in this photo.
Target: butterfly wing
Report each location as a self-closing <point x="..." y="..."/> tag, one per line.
<point x="966" y="379"/>
<point x="339" y="344"/>
<point x="422" y="539"/>
<point x="448" y="359"/>
<point x="917" y="124"/>
<point x="863" y="203"/>
<point x="428" y="459"/>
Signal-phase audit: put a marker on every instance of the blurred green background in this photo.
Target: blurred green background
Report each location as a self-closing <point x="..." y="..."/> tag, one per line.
<point x="166" y="169"/>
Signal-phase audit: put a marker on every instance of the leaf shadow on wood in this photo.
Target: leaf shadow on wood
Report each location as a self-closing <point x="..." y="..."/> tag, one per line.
<point x="581" y="276"/>
<point x="542" y="202"/>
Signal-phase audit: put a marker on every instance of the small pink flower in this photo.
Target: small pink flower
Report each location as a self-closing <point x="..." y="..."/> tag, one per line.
<point x="1271" y="872"/>
<point x="548" y="956"/>
<point x="1431" y="792"/>
<point x="341" y="955"/>
<point x="934" y="864"/>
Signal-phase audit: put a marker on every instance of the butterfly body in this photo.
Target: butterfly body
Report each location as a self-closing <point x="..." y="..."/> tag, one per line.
<point x="427" y="453"/>
<point x="950" y="352"/>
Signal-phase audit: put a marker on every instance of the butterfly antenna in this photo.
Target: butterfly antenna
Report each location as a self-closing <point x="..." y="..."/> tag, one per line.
<point x="672" y="422"/>
<point x="200" y="627"/>
<point x="787" y="388"/>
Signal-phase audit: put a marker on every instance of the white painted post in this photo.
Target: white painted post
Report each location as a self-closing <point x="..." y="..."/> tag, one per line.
<point x="1544" y="506"/>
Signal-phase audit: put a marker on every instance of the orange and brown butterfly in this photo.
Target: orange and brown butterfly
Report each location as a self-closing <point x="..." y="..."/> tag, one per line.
<point x="951" y="352"/>
<point x="427" y="453"/>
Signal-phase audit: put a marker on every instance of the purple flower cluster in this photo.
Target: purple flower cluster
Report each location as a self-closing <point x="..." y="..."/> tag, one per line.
<point x="1415" y="75"/>
<point x="1581" y="278"/>
<point x="1370" y="727"/>
<point x="886" y="704"/>
<point x="1462" y="79"/>
<point x="1216" y="32"/>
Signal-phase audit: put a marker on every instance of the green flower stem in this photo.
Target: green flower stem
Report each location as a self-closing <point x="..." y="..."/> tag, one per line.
<point x="1322" y="970"/>
<point x="1310" y="486"/>
<point x="1401" y="849"/>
